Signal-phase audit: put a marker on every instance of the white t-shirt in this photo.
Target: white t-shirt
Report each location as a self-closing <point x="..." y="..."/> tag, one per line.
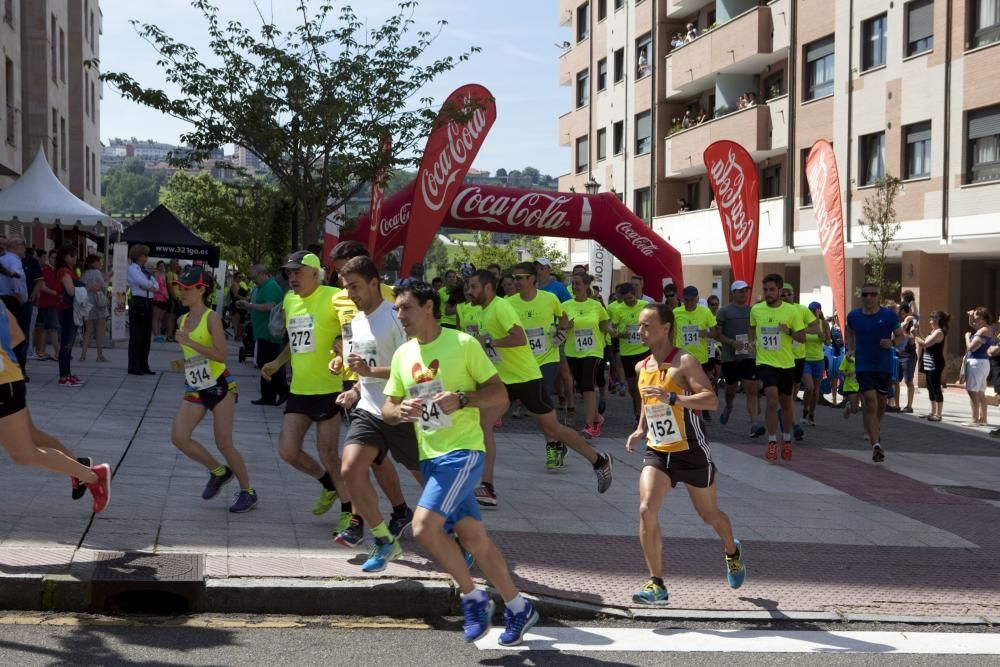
<point x="376" y="337"/>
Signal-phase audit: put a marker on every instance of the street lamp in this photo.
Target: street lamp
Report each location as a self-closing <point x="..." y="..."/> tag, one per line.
<point x="592" y="187"/>
<point x="240" y="197"/>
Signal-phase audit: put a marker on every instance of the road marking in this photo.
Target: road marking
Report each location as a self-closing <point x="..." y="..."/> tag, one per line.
<point x="232" y="622"/>
<point x="587" y="639"/>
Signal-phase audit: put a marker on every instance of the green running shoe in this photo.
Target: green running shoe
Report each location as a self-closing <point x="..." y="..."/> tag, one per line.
<point x="651" y="593"/>
<point x="551" y="457"/>
<point x="324" y="502"/>
<point x="343" y="524"/>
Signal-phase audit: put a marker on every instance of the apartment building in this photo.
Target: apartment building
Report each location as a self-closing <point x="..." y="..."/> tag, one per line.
<point x="900" y="88"/>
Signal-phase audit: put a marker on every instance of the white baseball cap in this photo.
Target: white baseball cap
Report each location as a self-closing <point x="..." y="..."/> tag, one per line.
<point x="544" y="261"/>
<point x="738" y="285"/>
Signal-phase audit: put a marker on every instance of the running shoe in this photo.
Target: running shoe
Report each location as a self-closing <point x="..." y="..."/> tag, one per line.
<point x="757" y="431"/>
<point x="244" y="501"/>
<point x="79" y="488"/>
<point x="353" y="535"/>
<point x="591" y="431"/>
<point x="563" y="450"/>
<point x="798" y="432"/>
<point x="603" y="472"/>
<point x="397" y="524"/>
<point x="736" y="570"/>
<point x="324" y="502"/>
<point x="877" y="454"/>
<point x="381" y="552"/>
<point x="602" y="405"/>
<point x="101" y="489"/>
<point x="215" y="483"/>
<point x="478" y="617"/>
<point x="847" y="412"/>
<point x="724" y="417"/>
<point x="345" y="521"/>
<point x="651" y="593"/>
<point x="486" y="496"/>
<point x="518" y="624"/>
<point x="551" y="456"/>
<point x="786" y="451"/>
<point x="772" y="451"/>
<point x="70" y="381"/>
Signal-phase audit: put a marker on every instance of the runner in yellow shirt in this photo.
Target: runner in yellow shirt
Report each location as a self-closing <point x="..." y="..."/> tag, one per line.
<point x="694" y="324"/>
<point x="799" y="349"/>
<point x="625" y="320"/>
<point x="585" y="346"/>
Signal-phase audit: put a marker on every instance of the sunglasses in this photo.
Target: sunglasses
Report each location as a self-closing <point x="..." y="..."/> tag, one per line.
<point x="519" y="276"/>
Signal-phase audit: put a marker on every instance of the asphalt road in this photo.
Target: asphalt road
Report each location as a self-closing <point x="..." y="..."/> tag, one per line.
<point x="31" y="639"/>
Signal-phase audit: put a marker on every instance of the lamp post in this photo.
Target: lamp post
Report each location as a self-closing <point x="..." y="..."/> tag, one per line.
<point x="592" y="187"/>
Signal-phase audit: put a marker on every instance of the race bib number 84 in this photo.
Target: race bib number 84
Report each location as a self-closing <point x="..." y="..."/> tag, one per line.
<point x="431" y="416"/>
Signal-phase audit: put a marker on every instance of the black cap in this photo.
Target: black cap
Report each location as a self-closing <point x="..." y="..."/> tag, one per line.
<point x="193" y="276"/>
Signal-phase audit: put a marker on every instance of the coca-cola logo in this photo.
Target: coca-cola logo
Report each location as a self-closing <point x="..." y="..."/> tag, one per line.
<point x="460" y="141"/>
<point x="387" y="226"/>
<point x="729" y="180"/>
<point x="828" y="226"/>
<point x="531" y="209"/>
<point x="639" y="241"/>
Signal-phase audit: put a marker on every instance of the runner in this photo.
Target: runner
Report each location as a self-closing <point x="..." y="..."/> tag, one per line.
<point x="694" y="325"/>
<point x="208" y="386"/>
<point x="738" y="355"/>
<point x="449" y="317"/>
<point x="674" y="388"/>
<point x="815" y="363"/>
<point x="851" y="390"/>
<point x="670" y="296"/>
<point x="446" y="378"/>
<point x="774" y="324"/>
<point x="871" y="332"/>
<point x="506" y="344"/>
<point x="799" y="350"/>
<point x="376" y="335"/>
<point x="21" y="439"/>
<point x="585" y="347"/>
<point x="315" y="355"/>
<point x="625" y="321"/>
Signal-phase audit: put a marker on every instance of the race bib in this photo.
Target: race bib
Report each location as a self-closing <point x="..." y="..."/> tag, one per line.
<point x="301" y="337"/>
<point x="537" y="341"/>
<point x="367" y="350"/>
<point x="198" y="373"/>
<point x="661" y="425"/>
<point x="472" y="329"/>
<point x="347" y="333"/>
<point x="584" y="338"/>
<point x="493" y="354"/>
<point x="690" y="335"/>
<point x="431" y="416"/>
<point x="742" y="344"/>
<point x="632" y="334"/>
<point x="770" y="338"/>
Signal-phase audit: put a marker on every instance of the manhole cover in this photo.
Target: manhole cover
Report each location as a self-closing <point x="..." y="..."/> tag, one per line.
<point x="138" y="566"/>
<point x="971" y="492"/>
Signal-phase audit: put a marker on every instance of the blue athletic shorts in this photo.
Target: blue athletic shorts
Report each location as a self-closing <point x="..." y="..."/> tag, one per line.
<point x="450" y="483"/>
<point x="814" y="369"/>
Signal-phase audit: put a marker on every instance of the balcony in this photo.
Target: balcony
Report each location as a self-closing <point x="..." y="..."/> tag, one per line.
<point x="699" y="233"/>
<point x="743" y="45"/>
<point x="751" y="128"/>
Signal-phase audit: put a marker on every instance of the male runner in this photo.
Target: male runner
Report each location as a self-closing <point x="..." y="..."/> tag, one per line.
<point x="449" y="318"/>
<point x="871" y="333"/>
<point x="774" y="324"/>
<point x="738" y="356"/>
<point x="506" y="344"/>
<point x="694" y="325"/>
<point x="670" y="296"/>
<point x="313" y="349"/>
<point x="815" y="364"/>
<point x="548" y="282"/>
<point x="799" y="350"/>
<point x="674" y="387"/>
<point x="439" y="380"/>
<point x="625" y="320"/>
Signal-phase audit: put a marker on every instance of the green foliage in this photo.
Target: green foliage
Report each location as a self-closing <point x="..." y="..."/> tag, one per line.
<point x="879" y="228"/>
<point x="131" y="190"/>
<point x="314" y="102"/>
<point x="436" y="260"/>
<point x="486" y="250"/>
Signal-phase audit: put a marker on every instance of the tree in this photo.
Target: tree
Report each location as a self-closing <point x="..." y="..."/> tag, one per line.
<point x="500" y="173"/>
<point x="130" y="190"/>
<point x="485" y="250"/>
<point x="879" y="228"/>
<point x="314" y="103"/>
<point x="436" y="259"/>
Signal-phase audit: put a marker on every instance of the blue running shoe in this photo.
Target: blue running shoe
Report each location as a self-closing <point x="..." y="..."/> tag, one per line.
<point x="352" y="535"/>
<point x="244" y="501"/>
<point x="736" y="569"/>
<point x="798" y="432"/>
<point x="215" y="483"/>
<point x="398" y="524"/>
<point x="478" y="617"/>
<point x="724" y="417"/>
<point x="651" y="593"/>
<point x="382" y="551"/>
<point x="518" y="625"/>
<point x="757" y="431"/>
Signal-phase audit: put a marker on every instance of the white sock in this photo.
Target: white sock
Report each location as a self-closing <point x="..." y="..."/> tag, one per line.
<point x="476" y="594"/>
<point x="788" y="437"/>
<point x="877" y="444"/>
<point x="517" y="605"/>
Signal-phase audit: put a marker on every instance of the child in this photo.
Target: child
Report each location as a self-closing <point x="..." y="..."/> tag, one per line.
<point x="850" y="387"/>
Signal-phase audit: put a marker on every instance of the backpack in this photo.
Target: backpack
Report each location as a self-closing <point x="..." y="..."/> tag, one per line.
<point x="276" y="321"/>
<point x="81" y="304"/>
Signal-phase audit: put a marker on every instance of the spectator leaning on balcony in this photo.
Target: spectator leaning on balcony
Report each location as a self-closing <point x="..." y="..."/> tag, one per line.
<point x="692" y="33"/>
<point x="687" y="121"/>
<point x="677" y="40"/>
<point x="702" y="116"/>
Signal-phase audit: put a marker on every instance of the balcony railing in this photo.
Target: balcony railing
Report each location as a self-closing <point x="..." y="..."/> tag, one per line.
<point x="749" y="127"/>
<point x="700" y="232"/>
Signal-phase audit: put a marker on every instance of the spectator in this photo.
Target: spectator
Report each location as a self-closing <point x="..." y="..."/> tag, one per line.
<point x="977" y="364"/>
<point x="692" y="33"/>
<point x="643" y="64"/>
<point x="173" y="300"/>
<point x="677" y="40"/>
<point x="47" y="326"/>
<point x="908" y="298"/>
<point x="687" y="121"/>
<point x="741" y="102"/>
<point x="906" y="357"/>
<point x="931" y="351"/>
<point x="751" y="99"/>
<point x="160" y="298"/>
<point x="702" y="116"/>
<point x="140" y="310"/>
<point x="66" y="260"/>
<point x="14" y="291"/>
<point x="33" y="281"/>
<point x="97" y="289"/>
<point x="682" y="205"/>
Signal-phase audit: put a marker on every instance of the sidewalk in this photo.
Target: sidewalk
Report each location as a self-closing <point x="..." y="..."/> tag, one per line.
<point x="828" y="534"/>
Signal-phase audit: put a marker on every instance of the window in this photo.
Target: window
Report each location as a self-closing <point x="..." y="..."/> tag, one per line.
<point x="62" y="139"/>
<point x="93" y="171"/>
<point x="54" y="158"/>
<point x="770" y="182"/>
<point x="583" y="21"/>
<point x="86" y="162"/>
<point x="9" y="90"/>
<point x="618" y="138"/>
<point x="602" y="73"/>
<point x="643" y="204"/>
<point x="8" y="12"/>
<point x="582" y="88"/>
<point x="53" y="52"/>
<point x="602" y="9"/>
<point x="805" y="197"/>
<point x="93" y="105"/>
<point x="619" y="4"/>
<point x="643" y="133"/>
<point x="918" y="150"/>
<point x="984" y="22"/>
<point x="984" y="145"/>
<point x="774" y="85"/>
<point x="643" y="56"/>
<point x="871" y="158"/>
<point x="919" y="26"/>
<point x="582" y="154"/>
<point x="619" y="57"/>
<point x="819" y="69"/>
<point x="873" y="36"/>
<point x="86" y="94"/>
<point x="62" y="55"/>
<point x="602" y="143"/>
<point x="693" y="198"/>
<point x="93" y="41"/>
<point x="86" y="10"/>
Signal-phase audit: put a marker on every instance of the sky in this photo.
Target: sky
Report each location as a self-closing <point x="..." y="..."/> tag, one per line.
<point x="518" y="64"/>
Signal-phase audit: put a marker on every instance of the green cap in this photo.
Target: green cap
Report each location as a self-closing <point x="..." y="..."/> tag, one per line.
<point x="302" y="258"/>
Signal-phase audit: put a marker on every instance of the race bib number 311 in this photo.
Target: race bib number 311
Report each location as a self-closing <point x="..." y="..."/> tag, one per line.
<point x="770" y="338"/>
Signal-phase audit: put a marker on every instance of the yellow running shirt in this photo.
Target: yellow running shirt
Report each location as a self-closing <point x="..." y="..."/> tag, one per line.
<point x="799" y="349"/>
<point x="773" y="347"/>
<point x="585" y="338"/>
<point x="626" y="322"/>
<point x="687" y="327"/>
<point x="514" y="364"/>
<point x="449" y="320"/>
<point x="313" y="326"/>
<point x="346" y="310"/>
<point x="538" y="317"/>
<point x="470" y="318"/>
<point x="200" y="372"/>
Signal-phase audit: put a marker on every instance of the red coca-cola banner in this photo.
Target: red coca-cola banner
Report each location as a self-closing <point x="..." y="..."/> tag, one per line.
<point x="378" y="195"/>
<point x="505" y="210"/>
<point x="733" y="176"/>
<point x="824" y="187"/>
<point x="450" y="150"/>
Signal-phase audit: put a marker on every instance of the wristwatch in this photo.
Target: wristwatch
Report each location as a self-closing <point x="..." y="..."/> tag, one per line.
<point x="673" y="398"/>
<point x="463" y="399"/>
<point x="488" y="340"/>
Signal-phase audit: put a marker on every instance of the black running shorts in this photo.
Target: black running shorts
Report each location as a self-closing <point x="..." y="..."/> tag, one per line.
<point x="691" y="467"/>
<point x="318" y="408"/>
<point x="399" y="440"/>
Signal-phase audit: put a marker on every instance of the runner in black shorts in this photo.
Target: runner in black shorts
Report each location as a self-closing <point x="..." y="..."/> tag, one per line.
<point x="319" y="407"/>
